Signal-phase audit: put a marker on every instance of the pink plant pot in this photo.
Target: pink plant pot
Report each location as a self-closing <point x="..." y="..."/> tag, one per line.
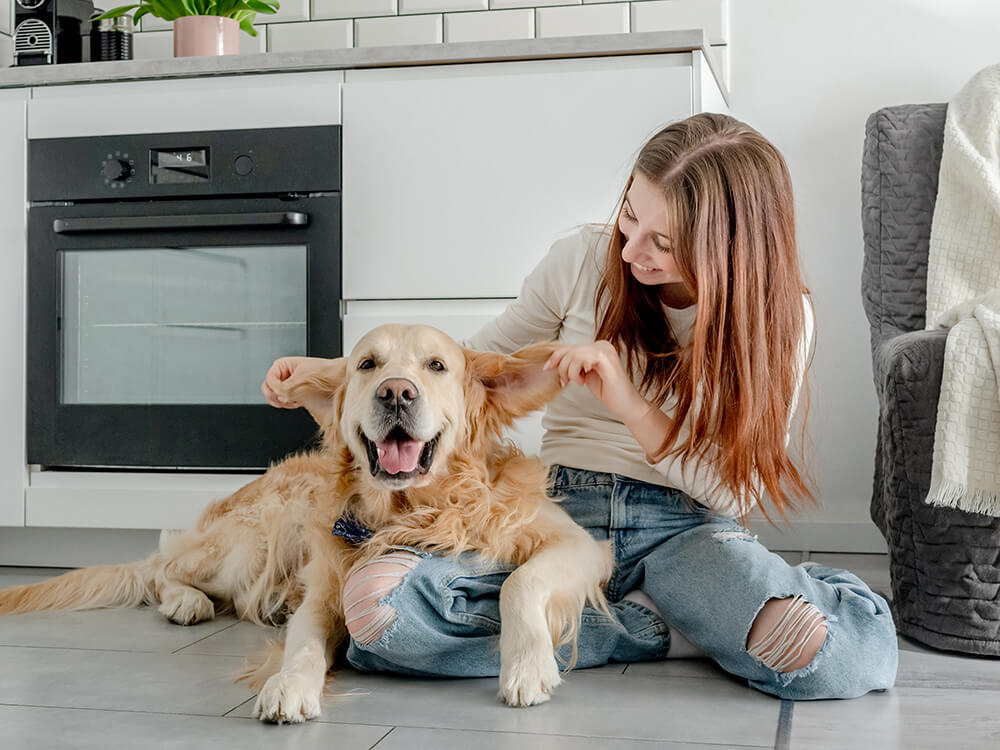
<point x="205" y="35"/>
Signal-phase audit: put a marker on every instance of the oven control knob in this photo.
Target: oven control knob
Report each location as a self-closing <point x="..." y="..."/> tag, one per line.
<point x="116" y="169"/>
<point x="243" y="165"/>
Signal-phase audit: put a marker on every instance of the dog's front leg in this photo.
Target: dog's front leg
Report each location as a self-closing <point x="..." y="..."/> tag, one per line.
<point x="293" y="695"/>
<point x="540" y="605"/>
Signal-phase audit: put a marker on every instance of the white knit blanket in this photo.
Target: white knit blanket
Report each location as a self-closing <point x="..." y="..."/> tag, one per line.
<point x="963" y="293"/>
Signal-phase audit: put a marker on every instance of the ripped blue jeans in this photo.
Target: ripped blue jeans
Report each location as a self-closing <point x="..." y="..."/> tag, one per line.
<point x="703" y="571"/>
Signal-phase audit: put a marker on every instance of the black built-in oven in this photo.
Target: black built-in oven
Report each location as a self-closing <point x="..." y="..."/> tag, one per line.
<point x="165" y="273"/>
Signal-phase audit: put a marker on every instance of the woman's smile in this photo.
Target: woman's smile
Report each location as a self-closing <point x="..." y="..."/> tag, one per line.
<point x="645" y="269"/>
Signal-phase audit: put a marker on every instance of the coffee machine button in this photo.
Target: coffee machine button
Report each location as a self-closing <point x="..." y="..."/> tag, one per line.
<point x="243" y="165"/>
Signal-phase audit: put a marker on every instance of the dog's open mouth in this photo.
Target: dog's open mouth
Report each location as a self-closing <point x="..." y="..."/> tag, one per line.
<point x="399" y="455"/>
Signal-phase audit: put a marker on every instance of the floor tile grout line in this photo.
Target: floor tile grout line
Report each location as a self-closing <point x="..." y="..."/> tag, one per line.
<point x="541" y="734"/>
<point x="124" y="651"/>
<point x="237" y="707"/>
<point x="193" y="643"/>
<point x="115" y="710"/>
<point x="783" y="736"/>
<point x="86" y="648"/>
<point x="391" y="730"/>
<point x="401" y="726"/>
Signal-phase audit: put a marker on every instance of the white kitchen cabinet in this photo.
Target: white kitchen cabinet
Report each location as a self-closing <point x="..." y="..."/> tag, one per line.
<point x="13" y="206"/>
<point x="13" y="105"/>
<point x="458" y="178"/>
<point x="123" y="500"/>
<point x="458" y="318"/>
<point x="186" y="105"/>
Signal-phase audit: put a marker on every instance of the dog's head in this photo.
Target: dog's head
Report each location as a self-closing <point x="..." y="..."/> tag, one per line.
<point x="409" y="398"/>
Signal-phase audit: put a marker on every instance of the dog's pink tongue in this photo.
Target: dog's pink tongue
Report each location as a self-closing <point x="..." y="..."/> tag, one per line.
<point x="398" y="455"/>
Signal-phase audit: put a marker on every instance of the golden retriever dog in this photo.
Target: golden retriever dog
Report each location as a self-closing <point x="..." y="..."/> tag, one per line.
<point x="412" y="449"/>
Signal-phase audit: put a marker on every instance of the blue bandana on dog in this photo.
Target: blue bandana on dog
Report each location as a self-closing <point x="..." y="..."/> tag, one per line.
<point x="351" y="530"/>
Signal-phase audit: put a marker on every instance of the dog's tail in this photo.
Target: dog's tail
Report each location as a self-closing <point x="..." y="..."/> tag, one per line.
<point x="98" y="586"/>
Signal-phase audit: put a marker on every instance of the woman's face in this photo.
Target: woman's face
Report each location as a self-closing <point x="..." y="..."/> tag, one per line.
<point x="647" y="250"/>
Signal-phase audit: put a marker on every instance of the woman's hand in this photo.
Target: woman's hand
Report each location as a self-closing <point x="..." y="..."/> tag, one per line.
<point x="280" y="371"/>
<point x="598" y="367"/>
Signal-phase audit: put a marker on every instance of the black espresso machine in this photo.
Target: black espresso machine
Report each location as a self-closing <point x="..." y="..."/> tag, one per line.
<point x="50" y="31"/>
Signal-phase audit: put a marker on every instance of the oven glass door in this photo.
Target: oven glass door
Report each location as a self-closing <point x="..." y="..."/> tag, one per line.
<point x="151" y="327"/>
<point x="178" y="325"/>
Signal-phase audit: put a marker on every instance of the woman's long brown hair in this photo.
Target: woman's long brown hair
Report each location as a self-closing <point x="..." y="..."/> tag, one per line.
<point x="730" y="207"/>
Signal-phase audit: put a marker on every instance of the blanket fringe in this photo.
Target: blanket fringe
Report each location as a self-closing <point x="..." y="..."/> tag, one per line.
<point x="946" y="494"/>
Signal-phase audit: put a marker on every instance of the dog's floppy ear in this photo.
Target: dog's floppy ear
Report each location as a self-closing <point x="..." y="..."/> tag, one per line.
<point x="318" y="391"/>
<point x="511" y="386"/>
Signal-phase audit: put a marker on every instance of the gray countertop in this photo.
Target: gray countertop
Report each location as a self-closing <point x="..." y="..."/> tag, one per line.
<point x="361" y="57"/>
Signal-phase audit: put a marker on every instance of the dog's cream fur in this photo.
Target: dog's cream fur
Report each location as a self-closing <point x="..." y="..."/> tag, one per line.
<point x="266" y="551"/>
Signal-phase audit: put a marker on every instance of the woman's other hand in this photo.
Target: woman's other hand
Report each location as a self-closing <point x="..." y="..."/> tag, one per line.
<point x="280" y="371"/>
<point x="598" y="367"/>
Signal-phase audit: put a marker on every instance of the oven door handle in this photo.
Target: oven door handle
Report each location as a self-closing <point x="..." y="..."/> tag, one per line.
<point x="180" y="221"/>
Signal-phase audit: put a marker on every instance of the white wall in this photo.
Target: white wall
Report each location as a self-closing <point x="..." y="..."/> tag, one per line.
<point x="807" y="74"/>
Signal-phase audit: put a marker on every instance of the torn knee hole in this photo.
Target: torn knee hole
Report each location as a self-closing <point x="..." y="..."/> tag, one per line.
<point x="366" y="619"/>
<point x="786" y="634"/>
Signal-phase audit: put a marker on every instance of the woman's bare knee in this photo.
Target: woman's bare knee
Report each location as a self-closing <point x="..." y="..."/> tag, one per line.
<point x="366" y="618"/>
<point x="786" y="634"/>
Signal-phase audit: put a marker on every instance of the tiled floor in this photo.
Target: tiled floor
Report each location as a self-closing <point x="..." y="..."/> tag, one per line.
<point x="127" y="679"/>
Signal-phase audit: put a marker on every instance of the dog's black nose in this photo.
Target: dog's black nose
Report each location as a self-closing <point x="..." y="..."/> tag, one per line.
<point x="397" y="392"/>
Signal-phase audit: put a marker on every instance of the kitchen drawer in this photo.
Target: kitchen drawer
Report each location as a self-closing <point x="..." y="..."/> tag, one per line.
<point x="186" y="105"/>
<point x="459" y="318"/>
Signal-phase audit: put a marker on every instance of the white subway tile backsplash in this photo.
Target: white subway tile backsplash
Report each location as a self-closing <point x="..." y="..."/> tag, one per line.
<point x="375" y="32"/>
<point x="352" y="8"/>
<point x="336" y="24"/>
<point x="665" y="15"/>
<point x="610" y="18"/>
<point x="502" y="4"/>
<point x="252" y="45"/>
<point x="290" y="10"/>
<point x="150" y="45"/>
<point x="491" y="25"/>
<point x="152" y="23"/>
<point x="440" y="6"/>
<point x="295" y="37"/>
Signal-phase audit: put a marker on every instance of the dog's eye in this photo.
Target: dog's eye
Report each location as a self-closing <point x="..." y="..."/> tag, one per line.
<point x="366" y="364"/>
<point x="436" y="365"/>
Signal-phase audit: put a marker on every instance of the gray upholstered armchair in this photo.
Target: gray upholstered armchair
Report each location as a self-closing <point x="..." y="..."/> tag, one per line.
<point x="945" y="563"/>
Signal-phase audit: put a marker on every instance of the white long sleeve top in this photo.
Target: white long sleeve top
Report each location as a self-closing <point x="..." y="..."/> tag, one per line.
<point x="557" y="303"/>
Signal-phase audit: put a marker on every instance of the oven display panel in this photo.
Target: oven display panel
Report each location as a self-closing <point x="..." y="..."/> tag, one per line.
<point x="175" y="165"/>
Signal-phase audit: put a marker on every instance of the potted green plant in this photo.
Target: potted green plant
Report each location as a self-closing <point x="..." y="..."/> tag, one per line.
<point x="201" y="27"/>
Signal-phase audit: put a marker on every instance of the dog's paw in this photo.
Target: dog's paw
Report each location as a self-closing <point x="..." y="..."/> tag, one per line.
<point x="528" y="679"/>
<point x="288" y="698"/>
<point x="187" y="607"/>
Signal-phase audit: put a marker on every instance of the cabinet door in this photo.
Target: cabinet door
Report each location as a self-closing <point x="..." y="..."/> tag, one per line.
<point x="13" y="475"/>
<point x="458" y="318"/>
<point x="458" y="178"/>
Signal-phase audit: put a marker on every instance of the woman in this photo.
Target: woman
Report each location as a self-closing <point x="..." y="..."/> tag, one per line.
<point x="686" y="331"/>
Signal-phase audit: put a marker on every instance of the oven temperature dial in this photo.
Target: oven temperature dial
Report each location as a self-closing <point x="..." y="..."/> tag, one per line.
<point x="117" y="170"/>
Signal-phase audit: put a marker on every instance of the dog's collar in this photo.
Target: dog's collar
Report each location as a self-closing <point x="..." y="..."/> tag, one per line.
<point x="351" y="530"/>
